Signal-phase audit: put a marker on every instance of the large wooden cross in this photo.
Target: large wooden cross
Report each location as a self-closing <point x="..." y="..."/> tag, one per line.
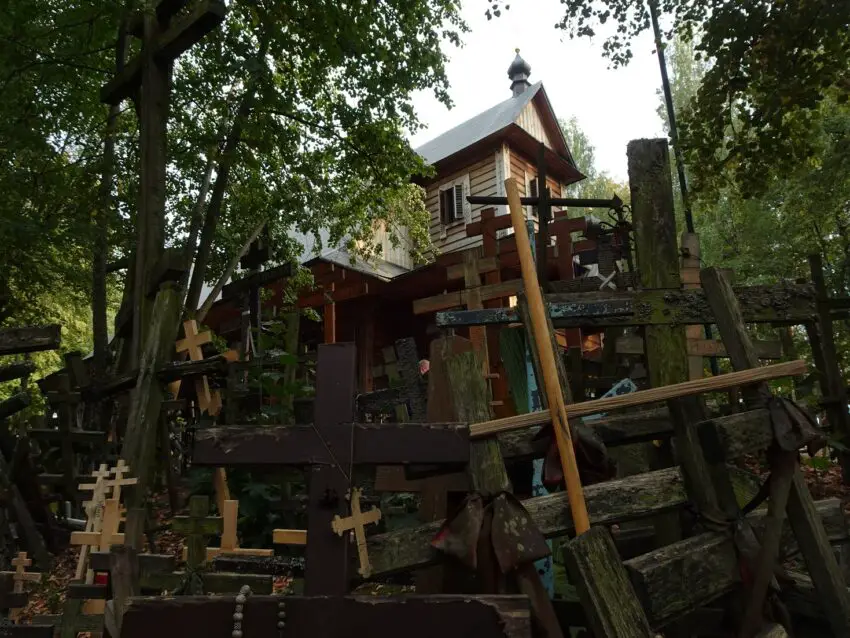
<point x="165" y="36"/>
<point x="330" y="448"/>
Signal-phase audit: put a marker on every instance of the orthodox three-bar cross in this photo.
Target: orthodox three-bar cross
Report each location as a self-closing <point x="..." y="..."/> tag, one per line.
<point x="165" y="36"/>
<point x="330" y="447"/>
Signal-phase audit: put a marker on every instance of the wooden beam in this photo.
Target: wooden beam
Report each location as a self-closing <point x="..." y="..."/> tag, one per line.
<point x="22" y="340"/>
<point x="16" y="370"/>
<point x="461" y="297"/>
<point x="643" y="397"/>
<point x="785" y="303"/>
<point x="335" y="295"/>
<point x="679" y="578"/>
<point x="484" y="264"/>
<point x="607" y="596"/>
<point x="300" y="445"/>
<point x="640" y="496"/>
<point x="633" y="344"/>
<point x="811" y="536"/>
<point x="332" y="617"/>
<point x="730" y="437"/>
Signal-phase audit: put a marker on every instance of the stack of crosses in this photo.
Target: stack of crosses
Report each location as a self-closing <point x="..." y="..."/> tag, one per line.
<point x="19" y="577"/>
<point x="104" y="515"/>
<point x="229" y="539"/>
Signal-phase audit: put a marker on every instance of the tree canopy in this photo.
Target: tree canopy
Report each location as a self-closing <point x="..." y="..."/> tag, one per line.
<point x="300" y="108"/>
<point x="770" y="66"/>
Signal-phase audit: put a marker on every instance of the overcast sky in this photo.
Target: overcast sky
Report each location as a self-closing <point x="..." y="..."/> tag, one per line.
<point x="612" y="106"/>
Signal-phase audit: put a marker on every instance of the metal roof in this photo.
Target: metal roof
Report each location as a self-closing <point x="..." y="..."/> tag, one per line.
<point x="477" y="128"/>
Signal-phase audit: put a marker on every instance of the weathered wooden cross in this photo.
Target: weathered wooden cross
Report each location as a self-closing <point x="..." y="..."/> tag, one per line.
<point x="19" y="577"/>
<point x="331" y="447"/>
<point x="190" y="344"/>
<point x="165" y="36"/>
<point x="356" y="523"/>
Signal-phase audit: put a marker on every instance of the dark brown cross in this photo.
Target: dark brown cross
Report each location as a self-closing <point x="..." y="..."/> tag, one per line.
<point x="165" y="36"/>
<point x="330" y="448"/>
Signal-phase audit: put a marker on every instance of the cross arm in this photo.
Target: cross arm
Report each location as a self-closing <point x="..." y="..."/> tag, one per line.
<point x="300" y="445"/>
<point x="177" y="39"/>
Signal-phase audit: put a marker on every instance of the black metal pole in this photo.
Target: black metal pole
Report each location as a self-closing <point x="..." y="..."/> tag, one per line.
<point x="671" y="117"/>
<point x="544" y="211"/>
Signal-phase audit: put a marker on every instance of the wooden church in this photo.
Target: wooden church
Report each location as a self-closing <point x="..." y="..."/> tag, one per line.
<point x="373" y="304"/>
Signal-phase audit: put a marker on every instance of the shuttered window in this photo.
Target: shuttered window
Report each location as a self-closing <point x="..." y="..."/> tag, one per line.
<point x="451" y="204"/>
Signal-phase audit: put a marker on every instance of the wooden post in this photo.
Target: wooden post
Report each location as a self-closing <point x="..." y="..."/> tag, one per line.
<point x="554" y="393"/>
<point x="327" y="570"/>
<point x="145" y="404"/>
<point x="802" y="515"/>
<point x="666" y="346"/>
<point x="835" y="396"/>
<point x="607" y="596"/>
<point x="490" y="477"/>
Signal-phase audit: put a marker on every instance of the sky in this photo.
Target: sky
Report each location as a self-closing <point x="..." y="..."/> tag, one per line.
<point x="611" y="106"/>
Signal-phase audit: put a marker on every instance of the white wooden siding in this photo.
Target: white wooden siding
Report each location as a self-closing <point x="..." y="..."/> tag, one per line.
<point x="529" y="119"/>
<point x="482" y="181"/>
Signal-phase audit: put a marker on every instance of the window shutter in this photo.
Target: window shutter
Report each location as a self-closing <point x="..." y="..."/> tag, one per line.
<point x="447" y="211"/>
<point x="458" y="201"/>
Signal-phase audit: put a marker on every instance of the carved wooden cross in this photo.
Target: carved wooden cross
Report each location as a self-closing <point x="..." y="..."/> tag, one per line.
<point x="19" y="577"/>
<point x="357" y="523"/>
<point x="229" y="539"/>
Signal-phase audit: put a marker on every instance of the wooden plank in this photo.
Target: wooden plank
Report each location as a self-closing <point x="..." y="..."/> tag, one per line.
<point x="300" y="445"/>
<point x="16" y="370"/>
<point x="461" y="297"/>
<point x="14" y="404"/>
<point x="729" y="438"/>
<point x="611" y="502"/>
<point x="607" y="596"/>
<point x="810" y="533"/>
<point x="336" y="294"/>
<point x="31" y="339"/>
<point x="782" y="303"/>
<point x="644" y="397"/>
<point x="674" y="580"/>
<point x="330" y="617"/>
<point x="485" y="265"/>
<point x="703" y="348"/>
<point x="234" y="288"/>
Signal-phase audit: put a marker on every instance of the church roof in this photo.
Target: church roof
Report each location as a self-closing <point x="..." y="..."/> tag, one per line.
<point x="477" y="128"/>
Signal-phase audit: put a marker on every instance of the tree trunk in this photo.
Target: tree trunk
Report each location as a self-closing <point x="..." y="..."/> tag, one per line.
<point x="101" y="221"/>
<point x="226" y="160"/>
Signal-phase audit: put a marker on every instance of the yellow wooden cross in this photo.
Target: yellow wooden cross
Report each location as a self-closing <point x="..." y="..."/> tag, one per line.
<point x="19" y="577"/>
<point x="94" y="512"/>
<point x="229" y="539"/>
<point x="208" y="401"/>
<point x="357" y="522"/>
